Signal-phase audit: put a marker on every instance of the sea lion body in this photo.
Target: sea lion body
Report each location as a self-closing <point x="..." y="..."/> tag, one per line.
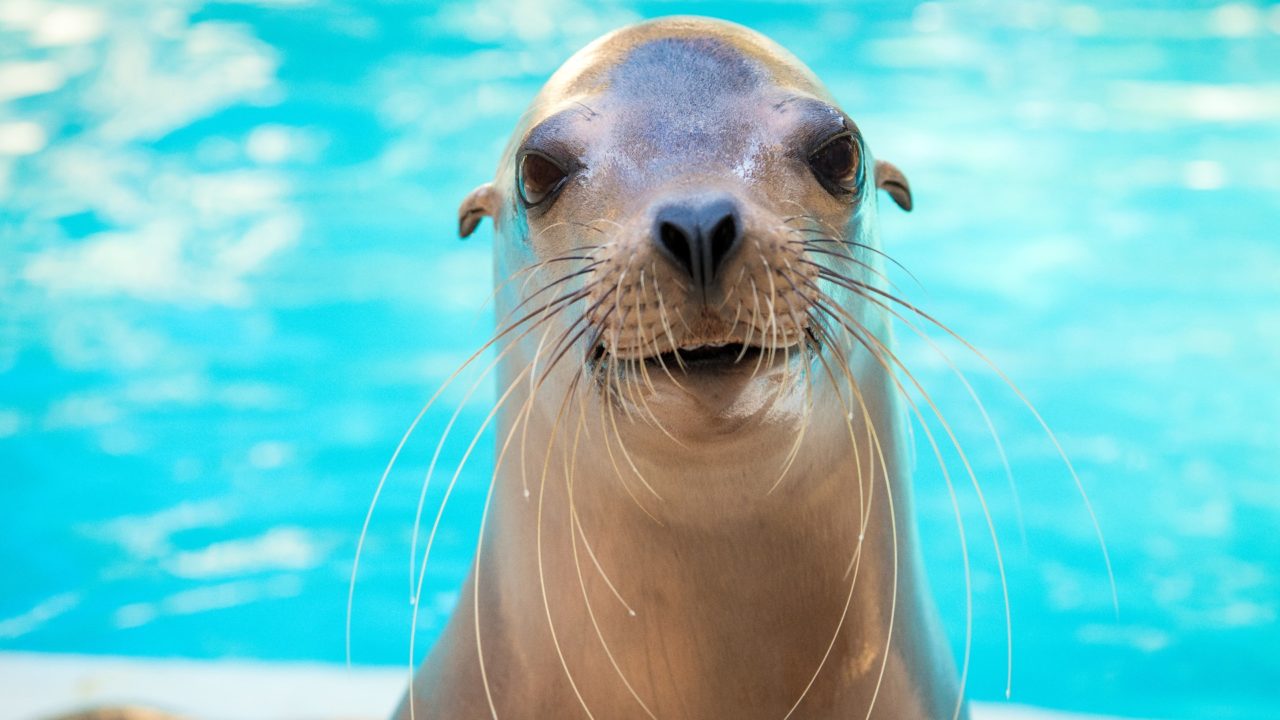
<point x="718" y="539"/>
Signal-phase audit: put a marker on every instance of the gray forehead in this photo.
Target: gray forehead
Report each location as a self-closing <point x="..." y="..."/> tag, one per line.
<point x="694" y="71"/>
<point x="687" y="102"/>
<point x="685" y="96"/>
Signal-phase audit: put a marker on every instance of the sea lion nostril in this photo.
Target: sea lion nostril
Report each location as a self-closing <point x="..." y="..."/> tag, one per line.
<point x="724" y="236"/>
<point x="677" y="243"/>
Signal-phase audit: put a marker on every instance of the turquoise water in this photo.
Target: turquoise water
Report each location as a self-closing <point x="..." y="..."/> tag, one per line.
<point x="229" y="280"/>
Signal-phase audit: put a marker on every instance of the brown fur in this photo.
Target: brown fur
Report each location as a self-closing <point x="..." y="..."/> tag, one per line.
<point x="689" y="544"/>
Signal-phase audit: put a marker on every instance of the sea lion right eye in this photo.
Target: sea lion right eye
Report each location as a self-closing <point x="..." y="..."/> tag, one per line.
<point x="836" y="163"/>
<point x="539" y="178"/>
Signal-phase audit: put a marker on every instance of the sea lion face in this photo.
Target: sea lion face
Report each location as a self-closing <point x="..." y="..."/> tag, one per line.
<point x="684" y="190"/>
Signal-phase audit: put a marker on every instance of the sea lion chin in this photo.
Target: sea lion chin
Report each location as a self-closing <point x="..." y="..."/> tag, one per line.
<point x="699" y="507"/>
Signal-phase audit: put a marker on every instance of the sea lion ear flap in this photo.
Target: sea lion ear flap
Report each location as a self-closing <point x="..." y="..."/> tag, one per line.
<point x="479" y="204"/>
<point x="890" y="179"/>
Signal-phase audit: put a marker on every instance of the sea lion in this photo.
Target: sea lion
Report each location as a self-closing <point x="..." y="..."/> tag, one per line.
<point x="701" y="506"/>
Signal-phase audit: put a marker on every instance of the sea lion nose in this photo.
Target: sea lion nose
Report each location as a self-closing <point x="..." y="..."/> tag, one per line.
<point x="699" y="235"/>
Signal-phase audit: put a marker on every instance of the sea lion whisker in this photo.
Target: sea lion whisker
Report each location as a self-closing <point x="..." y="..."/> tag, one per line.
<point x="607" y="220"/>
<point x="856" y="560"/>
<point x="575" y="530"/>
<point x="417" y="590"/>
<point x="529" y="297"/>
<point x="865" y="500"/>
<point x="565" y="342"/>
<point x="657" y="355"/>
<point x="733" y="287"/>
<point x="545" y="230"/>
<point x="631" y="378"/>
<point x="836" y="235"/>
<point x="771" y="304"/>
<point x="893" y="534"/>
<point x="530" y="271"/>
<point x="547" y="310"/>
<point x="625" y="375"/>
<point x="355" y="567"/>
<point x="826" y="340"/>
<point x="876" y="352"/>
<point x="804" y="426"/>
<point x="986" y="417"/>
<point x="973" y="478"/>
<point x="755" y="299"/>
<point x="533" y="393"/>
<point x="608" y="359"/>
<point x="623" y="385"/>
<point x="435" y="457"/>
<point x="831" y="231"/>
<point x="792" y="453"/>
<point x="613" y="420"/>
<point x="644" y="401"/>
<point x="835" y="239"/>
<point x="1044" y="427"/>
<point x="576" y="329"/>
<point x="666" y="326"/>
<point x="613" y="460"/>
<point x="639" y="370"/>
<point x="542" y="580"/>
<point x="751" y="324"/>
<point x="640" y="328"/>
<point x="588" y="226"/>
<point x="968" y="468"/>
<point x="805" y="215"/>
<point x="858" y="287"/>
<point x="786" y="273"/>
<point x="626" y="383"/>
<point x="644" y="373"/>
<point x="524" y="287"/>
<point x="807" y="352"/>
<point x="600" y="568"/>
<point x="809" y="247"/>
<point x="484" y="517"/>
<point x="585" y="246"/>
<point x="893" y="602"/>
<point x="737" y="316"/>
<point x="457" y="474"/>
<point x="377" y="493"/>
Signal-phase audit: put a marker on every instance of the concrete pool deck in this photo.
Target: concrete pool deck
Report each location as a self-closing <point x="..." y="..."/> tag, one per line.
<point x="36" y="686"/>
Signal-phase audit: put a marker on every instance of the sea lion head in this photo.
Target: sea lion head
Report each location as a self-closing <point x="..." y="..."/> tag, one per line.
<point x="685" y="228"/>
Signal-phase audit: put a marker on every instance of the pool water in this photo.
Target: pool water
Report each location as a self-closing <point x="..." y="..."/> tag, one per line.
<point x="229" y="279"/>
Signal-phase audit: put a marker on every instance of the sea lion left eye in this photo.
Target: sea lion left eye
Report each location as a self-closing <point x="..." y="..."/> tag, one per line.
<point x="539" y="178"/>
<point x="836" y="162"/>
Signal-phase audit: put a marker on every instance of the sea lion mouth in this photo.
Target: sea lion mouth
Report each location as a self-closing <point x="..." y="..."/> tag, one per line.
<point x="715" y="356"/>
<point x="711" y="357"/>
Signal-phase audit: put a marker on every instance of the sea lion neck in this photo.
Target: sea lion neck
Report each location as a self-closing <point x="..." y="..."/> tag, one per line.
<point x="713" y="611"/>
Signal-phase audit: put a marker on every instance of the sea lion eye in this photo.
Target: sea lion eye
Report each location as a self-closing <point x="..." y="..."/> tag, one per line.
<point x="836" y="164"/>
<point x="540" y="178"/>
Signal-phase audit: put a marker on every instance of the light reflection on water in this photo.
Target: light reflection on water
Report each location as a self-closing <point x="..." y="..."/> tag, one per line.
<point x="229" y="280"/>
